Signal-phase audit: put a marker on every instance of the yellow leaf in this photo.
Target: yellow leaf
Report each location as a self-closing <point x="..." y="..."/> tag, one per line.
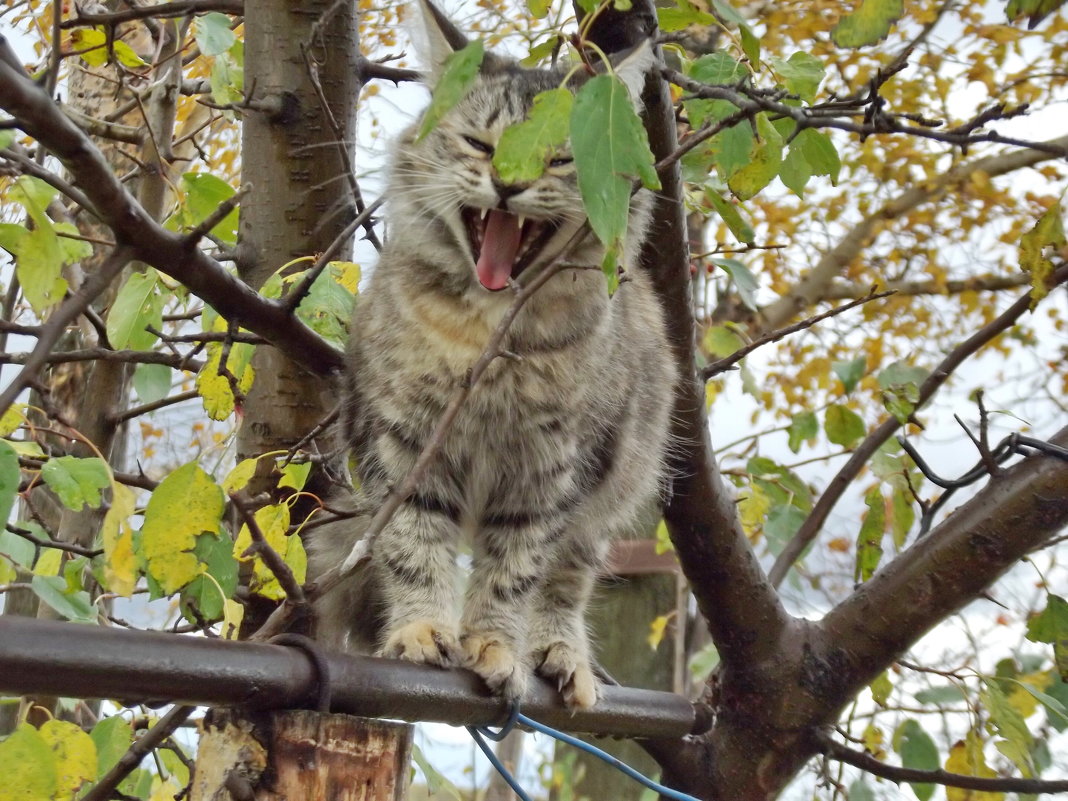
<point x="273" y="521"/>
<point x="29" y="766"/>
<point x="164" y="790"/>
<point x="663" y="538"/>
<point x="239" y="477"/>
<point x="75" y="754"/>
<point x="48" y="563"/>
<point x="753" y="510"/>
<point x="873" y="741"/>
<point x="966" y="758"/>
<point x="233" y="614"/>
<point x="185" y="504"/>
<point x="215" y="389"/>
<point x="12" y="419"/>
<point x="347" y="274"/>
<point x="120" y="562"/>
<point x="657" y="629"/>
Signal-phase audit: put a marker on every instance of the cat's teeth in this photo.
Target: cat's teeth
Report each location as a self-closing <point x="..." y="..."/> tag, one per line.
<point x="484" y="213"/>
<point x="522" y="219"/>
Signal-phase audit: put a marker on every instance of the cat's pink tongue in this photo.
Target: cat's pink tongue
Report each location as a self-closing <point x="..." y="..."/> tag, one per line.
<point x="500" y="243"/>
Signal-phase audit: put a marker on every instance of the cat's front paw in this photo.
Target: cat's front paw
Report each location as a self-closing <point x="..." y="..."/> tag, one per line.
<point x="423" y="641"/>
<point x="492" y="658"/>
<point x="572" y="675"/>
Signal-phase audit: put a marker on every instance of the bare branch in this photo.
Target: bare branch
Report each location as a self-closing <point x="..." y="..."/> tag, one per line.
<point x="179" y="8"/>
<point x="810" y="529"/>
<point x="870" y="764"/>
<point x="726" y="363"/>
<point x="26" y="534"/>
<point x="988" y="283"/>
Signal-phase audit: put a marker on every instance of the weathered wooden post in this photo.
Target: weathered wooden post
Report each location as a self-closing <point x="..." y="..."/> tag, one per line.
<point x="301" y="755"/>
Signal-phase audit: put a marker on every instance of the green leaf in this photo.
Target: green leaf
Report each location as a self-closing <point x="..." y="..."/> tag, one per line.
<point x="226" y="80"/>
<point x="900" y="374"/>
<point x="19" y="550"/>
<point x="782" y="523"/>
<point x="860" y="791"/>
<point x="541" y="51"/>
<point x="152" y="382"/>
<point x="795" y="171"/>
<point x="763" y="163"/>
<point x="869" y="541"/>
<point x="458" y="74"/>
<point x="803" y="426"/>
<point x="682" y="16"/>
<point x="126" y="55"/>
<point x="850" y="372"/>
<point x="901" y="389"/>
<point x="750" y="42"/>
<point x="74" y="606"/>
<point x="802" y="74"/>
<point x="137" y="306"/>
<point x="1048" y="232"/>
<point x="1009" y="724"/>
<point x="38" y="256"/>
<point x="732" y="216"/>
<point x="295" y="475"/>
<point x="327" y="308"/>
<point x="213" y="34"/>
<point x="215" y="552"/>
<point x="919" y="752"/>
<point x="203" y="193"/>
<point x="91" y="45"/>
<point x="186" y="504"/>
<point x="843" y="426"/>
<point x="11" y="234"/>
<point x="1034" y="10"/>
<point x="10" y="475"/>
<point x="538" y="8"/>
<point x="721" y="341"/>
<point x="77" y="482"/>
<point x="744" y="281"/>
<point x="29" y="766"/>
<point x="881" y="689"/>
<point x="524" y="149"/>
<point x="436" y="783"/>
<point x="704" y="661"/>
<point x="714" y="69"/>
<point x="112" y="737"/>
<point x="819" y="152"/>
<point x="610" y="149"/>
<point x="1051" y="626"/>
<point x="70" y="249"/>
<point x="903" y="515"/>
<point x="868" y="24"/>
<point x="940" y="696"/>
<point x="7" y="138"/>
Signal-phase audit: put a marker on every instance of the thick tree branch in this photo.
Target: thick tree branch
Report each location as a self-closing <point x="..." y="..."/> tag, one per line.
<point x="984" y="283"/>
<point x="1016" y="513"/>
<point x="870" y="764"/>
<point x="178" y="8"/>
<point x="168" y="252"/>
<point x="810" y="529"/>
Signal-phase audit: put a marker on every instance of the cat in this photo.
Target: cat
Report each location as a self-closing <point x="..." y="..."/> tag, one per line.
<point x="556" y="449"/>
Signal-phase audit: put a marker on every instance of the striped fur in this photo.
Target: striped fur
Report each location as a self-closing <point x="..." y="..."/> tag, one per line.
<point x="553" y="453"/>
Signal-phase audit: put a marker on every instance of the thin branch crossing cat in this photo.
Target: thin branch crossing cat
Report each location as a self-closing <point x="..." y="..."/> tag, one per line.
<point x="556" y="450"/>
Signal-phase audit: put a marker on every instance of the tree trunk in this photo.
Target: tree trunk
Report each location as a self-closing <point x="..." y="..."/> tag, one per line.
<point x="301" y="756"/>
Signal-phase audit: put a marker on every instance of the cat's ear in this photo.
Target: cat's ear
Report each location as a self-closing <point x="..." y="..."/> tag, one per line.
<point x="435" y="38"/>
<point x="634" y="67"/>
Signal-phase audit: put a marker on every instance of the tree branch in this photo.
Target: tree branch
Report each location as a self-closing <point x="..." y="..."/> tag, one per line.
<point x="870" y="764"/>
<point x="810" y="529"/>
<point x="179" y="8"/>
<point x="1016" y="513"/>
<point x="152" y="243"/>
<point x="726" y="363"/>
<point x="986" y="283"/>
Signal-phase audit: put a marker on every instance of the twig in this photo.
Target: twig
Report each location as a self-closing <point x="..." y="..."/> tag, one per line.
<point x="176" y="361"/>
<point x="727" y="362"/>
<point x="297" y="293"/>
<point x="179" y="8"/>
<point x="870" y="764"/>
<point x="105" y="788"/>
<point x="274" y="561"/>
<point x="26" y="534"/>
<point x="217" y="216"/>
<point x="74" y="305"/>
<point x="818" y="516"/>
<point x="137" y="411"/>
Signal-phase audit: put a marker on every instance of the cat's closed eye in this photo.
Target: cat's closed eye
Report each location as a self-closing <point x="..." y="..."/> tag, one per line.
<point x="479" y="145"/>
<point x="561" y="161"/>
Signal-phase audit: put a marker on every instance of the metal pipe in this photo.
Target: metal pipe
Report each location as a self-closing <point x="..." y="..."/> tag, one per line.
<point x="67" y="659"/>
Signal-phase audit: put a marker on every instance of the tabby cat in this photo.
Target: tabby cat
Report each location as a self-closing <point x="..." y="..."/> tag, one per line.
<point x="557" y="448"/>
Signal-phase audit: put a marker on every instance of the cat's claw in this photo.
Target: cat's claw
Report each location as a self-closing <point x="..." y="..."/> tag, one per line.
<point x="572" y="675"/>
<point x="423" y="641"/>
<point x="488" y="655"/>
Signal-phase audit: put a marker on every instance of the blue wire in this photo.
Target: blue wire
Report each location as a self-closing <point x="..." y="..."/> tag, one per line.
<point x="515" y="717"/>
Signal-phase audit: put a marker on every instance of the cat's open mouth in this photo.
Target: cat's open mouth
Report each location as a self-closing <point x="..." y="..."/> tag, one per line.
<point x="504" y="244"/>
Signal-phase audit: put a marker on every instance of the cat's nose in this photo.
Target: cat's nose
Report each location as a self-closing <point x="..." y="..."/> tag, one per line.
<point x="505" y="191"/>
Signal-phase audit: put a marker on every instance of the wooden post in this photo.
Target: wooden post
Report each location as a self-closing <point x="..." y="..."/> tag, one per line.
<point x="301" y="756"/>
